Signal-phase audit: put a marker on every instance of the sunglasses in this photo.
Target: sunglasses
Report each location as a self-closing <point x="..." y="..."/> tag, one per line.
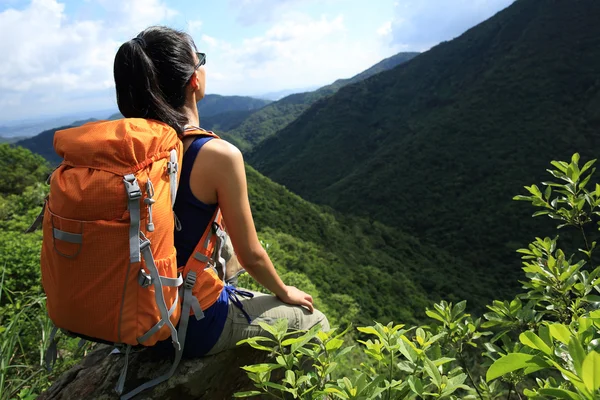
<point x="201" y="60"/>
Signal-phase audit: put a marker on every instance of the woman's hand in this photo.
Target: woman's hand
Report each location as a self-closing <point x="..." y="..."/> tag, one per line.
<point x="295" y="296"/>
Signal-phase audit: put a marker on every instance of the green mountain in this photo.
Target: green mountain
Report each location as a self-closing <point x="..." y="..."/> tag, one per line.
<point x="439" y="146"/>
<point x="391" y="275"/>
<point x="213" y="104"/>
<point x="277" y="115"/>
<point x="43" y="144"/>
<point x="313" y="247"/>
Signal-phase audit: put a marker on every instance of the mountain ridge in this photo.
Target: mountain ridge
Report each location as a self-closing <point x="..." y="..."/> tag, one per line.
<point x="270" y="119"/>
<point x="440" y="145"/>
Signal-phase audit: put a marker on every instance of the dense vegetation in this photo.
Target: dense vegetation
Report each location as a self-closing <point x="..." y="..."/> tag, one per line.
<point x="544" y="344"/>
<point x="437" y="146"/>
<point x="277" y="115"/>
<point x="323" y="252"/>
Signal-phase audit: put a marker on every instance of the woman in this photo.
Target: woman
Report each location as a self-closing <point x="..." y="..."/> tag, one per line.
<point x="159" y="75"/>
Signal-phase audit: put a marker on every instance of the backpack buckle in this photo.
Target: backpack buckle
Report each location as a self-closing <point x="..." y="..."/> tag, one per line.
<point x="190" y="280"/>
<point x="133" y="188"/>
<point x="172" y="167"/>
<point x="144" y="279"/>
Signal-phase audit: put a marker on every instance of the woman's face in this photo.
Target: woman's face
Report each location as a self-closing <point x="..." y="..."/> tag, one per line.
<point x="200" y="76"/>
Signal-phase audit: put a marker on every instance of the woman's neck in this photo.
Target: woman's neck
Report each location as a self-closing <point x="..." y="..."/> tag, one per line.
<point x="191" y="112"/>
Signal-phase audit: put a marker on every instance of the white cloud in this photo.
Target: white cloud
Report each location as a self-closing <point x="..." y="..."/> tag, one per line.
<point x="132" y="16"/>
<point x="421" y="24"/>
<point x="194" y="26"/>
<point x="385" y="29"/>
<point x="257" y="11"/>
<point x="297" y="51"/>
<point x="50" y="57"/>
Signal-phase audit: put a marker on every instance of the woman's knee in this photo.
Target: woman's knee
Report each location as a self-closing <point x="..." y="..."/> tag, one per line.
<point x="308" y="319"/>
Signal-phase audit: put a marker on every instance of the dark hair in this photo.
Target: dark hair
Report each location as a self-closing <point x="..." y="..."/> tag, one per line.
<point x="151" y="73"/>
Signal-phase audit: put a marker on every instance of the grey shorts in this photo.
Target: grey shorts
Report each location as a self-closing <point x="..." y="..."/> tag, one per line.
<point x="263" y="308"/>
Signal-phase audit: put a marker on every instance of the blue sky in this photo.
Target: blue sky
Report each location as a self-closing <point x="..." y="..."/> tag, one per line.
<point x="57" y="55"/>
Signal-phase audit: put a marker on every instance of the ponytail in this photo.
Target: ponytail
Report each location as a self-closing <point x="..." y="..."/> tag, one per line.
<point x="151" y="73"/>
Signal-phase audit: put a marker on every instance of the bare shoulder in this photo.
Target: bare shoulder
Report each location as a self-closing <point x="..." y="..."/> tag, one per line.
<point x="222" y="150"/>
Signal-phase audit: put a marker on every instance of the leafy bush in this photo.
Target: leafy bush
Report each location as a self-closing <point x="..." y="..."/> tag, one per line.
<point x="545" y="343"/>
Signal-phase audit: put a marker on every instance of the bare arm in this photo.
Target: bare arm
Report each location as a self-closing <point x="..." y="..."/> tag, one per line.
<point x="228" y="175"/>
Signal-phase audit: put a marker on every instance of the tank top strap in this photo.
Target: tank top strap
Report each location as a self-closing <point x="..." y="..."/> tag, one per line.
<point x="190" y="156"/>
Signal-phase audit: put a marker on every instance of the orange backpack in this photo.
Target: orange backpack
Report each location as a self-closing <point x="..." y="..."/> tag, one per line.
<point x="108" y="259"/>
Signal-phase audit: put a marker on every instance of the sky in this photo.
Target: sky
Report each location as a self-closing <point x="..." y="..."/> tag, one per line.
<point x="56" y="56"/>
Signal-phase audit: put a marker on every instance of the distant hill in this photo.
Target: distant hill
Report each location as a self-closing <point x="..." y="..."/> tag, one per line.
<point x="232" y="110"/>
<point x="440" y="145"/>
<point x="213" y="104"/>
<point x="274" y="96"/>
<point x="42" y="144"/>
<point x="14" y="139"/>
<point x="275" y="116"/>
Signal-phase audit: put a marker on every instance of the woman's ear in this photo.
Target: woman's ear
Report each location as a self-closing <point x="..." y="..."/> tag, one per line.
<point x="194" y="81"/>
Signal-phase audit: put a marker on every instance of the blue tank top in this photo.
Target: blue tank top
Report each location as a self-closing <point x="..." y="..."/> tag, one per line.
<point x="194" y="217"/>
<point x="193" y="214"/>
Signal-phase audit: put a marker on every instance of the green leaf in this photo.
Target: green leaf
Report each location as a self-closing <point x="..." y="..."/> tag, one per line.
<point x="591" y="371"/>
<point x="433" y="372"/>
<point x="535" y="342"/>
<point x="268" y="328"/>
<point x="587" y="165"/>
<point x="577" y="354"/>
<point x="247" y="394"/>
<point x="548" y="192"/>
<point x="369" y="330"/>
<point x="560" y="332"/>
<point x="276" y="386"/>
<point x="513" y="362"/>
<point x="257" y="368"/>
<point x="559" y="393"/>
<point x="434" y="315"/>
<point x="334" y="344"/>
<point x="541" y="212"/>
<point x="290" y="377"/>
<point x="534" y="190"/>
<point x="415" y="385"/>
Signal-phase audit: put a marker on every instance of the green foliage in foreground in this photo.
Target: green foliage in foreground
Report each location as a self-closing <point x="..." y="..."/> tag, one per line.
<point x="543" y="344"/>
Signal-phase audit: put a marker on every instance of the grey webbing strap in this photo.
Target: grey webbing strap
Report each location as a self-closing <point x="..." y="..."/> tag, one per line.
<point x="210" y="232"/>
<point x="172" y="282"/>
<point x="201" y="257"/>
<point x="68" y="236"/>
<point x="208" y="237"/>
<point x="158" y="291"/>
<point x="51" y="351"/>
<point x="38" y="220"/>
<point x="133" y="194"/>
<point x="195" y="305"/>
<point x="172" y="168"/>
<point x="183" y="323"/>
<point x="145" y="280"/>
<point x="220" y="262"/>
<point x="189" y="301"/>
<point x="121" y="382"/>
<point x="160" y="323"/>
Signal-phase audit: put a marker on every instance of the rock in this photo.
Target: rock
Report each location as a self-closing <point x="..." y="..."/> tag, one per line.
<point x="213" y="377"/>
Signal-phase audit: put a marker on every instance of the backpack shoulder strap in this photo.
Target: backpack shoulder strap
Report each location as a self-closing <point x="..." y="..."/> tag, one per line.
<point x="191" y="130"/>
